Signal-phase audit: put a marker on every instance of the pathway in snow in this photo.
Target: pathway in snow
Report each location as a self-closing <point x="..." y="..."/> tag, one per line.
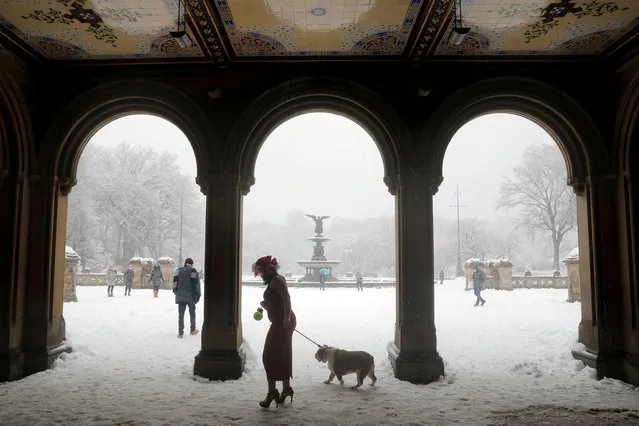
<point x="507" y="362"/>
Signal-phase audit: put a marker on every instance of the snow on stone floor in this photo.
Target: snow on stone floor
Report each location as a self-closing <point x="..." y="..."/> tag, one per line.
<point x="509" y="356"/>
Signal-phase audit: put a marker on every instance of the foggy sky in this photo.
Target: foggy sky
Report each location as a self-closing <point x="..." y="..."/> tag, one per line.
<point x="326" y="164"/>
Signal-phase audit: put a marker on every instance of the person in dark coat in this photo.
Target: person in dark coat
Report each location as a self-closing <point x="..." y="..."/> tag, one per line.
<point x="156" y="279"/>
<point x="359" y="280"/>
<point x="128" y="281"/>
<point x="110" y="279"/>
<point x="187" y="290"/>
<point x="478" y="283"/>
<point x="441" y="277"/>
<point x="277" y="356"/>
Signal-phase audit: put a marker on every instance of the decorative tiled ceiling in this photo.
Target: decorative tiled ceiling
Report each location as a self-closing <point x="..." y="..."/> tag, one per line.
<point x="125" y="30"/>
<point x="542" y="27"/>
<point x="95" y="29"/>
<point x="318" y="27"/>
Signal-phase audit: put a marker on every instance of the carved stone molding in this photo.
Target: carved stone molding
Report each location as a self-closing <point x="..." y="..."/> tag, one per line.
<point x="220" y="186"/>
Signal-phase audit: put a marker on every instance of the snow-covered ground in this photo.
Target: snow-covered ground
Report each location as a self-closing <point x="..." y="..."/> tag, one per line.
<point x="128" y="367"/>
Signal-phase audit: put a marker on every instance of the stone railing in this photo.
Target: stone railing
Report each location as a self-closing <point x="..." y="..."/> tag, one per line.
<point x="540" y="281"/>
<point x="342" y="283"/>
<point x="98" y="279"/>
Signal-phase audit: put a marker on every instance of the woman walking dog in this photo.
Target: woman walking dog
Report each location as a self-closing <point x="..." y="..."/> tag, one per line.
<point x="277" y="356"/>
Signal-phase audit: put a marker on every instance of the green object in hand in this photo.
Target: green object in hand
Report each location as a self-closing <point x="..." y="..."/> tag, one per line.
<point x="258" y="315"/>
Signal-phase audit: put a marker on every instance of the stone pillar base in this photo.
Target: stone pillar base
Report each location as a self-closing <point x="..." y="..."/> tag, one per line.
<point x="11" y="365"/>
<point x="585" y="356"/>
<point x="417" y="368"/>
<point x="41" y="360"/>
<point x="630" y="366"/>
<point x="220" y="364"/>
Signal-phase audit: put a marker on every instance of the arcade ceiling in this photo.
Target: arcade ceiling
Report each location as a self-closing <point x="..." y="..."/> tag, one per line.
<point x="227" y="31"/>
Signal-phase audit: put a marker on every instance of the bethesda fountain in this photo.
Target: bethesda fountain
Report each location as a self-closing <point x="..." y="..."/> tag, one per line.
<point x="318" y="261"/>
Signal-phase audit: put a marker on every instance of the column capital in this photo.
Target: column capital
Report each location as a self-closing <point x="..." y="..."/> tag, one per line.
<point x="420" y="180"/>
<point x="578" y="185"/>
<point x="392" y="182"/>
<point x="219" y="185"/>
<point x="64" y="184"/>
<point x="246" y="184"/>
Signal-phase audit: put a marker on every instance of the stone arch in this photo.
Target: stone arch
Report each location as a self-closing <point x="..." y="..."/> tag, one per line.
<point x="16" y="137"/>
<point x="301" y="96"/>
<point x="102" y="104"/>
<point x="628" y="128"/>
<point x="570" y="126"/>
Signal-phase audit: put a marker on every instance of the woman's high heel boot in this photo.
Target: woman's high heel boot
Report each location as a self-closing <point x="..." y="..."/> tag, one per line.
<point x="270" y="396"/>
<point x="285" y="393"/>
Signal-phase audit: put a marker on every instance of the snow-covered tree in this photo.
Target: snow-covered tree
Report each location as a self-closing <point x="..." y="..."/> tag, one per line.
<point x="539" y="191"/>
<point x="127" y="203"/>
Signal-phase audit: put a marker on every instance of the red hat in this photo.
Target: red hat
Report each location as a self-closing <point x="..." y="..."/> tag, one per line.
<point x="263" y="262"/>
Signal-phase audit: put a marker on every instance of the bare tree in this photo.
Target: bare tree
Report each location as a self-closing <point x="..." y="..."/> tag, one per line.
<point x="538" y="188"/>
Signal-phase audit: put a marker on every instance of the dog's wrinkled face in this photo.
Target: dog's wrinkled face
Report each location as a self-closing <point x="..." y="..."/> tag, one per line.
<point x="320" y="355"/>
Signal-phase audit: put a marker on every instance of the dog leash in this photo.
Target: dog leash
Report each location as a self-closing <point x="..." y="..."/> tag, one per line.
<point x="308" y="338"/>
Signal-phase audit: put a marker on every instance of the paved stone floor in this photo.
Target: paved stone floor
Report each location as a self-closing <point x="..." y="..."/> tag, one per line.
<point x="547" y="415"/>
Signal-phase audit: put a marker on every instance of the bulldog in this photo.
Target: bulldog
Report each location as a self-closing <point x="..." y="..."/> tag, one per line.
<point x="341" y="362"/>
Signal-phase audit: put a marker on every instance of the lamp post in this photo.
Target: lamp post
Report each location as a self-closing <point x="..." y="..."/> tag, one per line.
<point x="460" y="270"/>
<point x="180" y="259"/>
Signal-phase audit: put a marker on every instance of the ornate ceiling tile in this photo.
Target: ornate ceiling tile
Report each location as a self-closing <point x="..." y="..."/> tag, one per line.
<point x="97" y="29"/>
<point x="542" y="27"/>
<point x="303" y="28"/>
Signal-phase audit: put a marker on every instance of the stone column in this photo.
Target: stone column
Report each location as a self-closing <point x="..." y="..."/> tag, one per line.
<point x="505" y="272"/>
<point x="221" y="356"/>
<point x="136" y="266"/>
<point x="574" y="283"/>
<point x="70" y="271"/>
<point x="14" y="219"/>
<point x="609" y="296"/>
<point x="44" y="331"/>
<point x="413" y="354"/>
<point x="468" y="274"/>
<point x="167" y="266"/>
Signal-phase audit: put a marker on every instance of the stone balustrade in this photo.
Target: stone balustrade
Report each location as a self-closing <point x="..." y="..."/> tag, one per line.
<point x="540" y="281"/>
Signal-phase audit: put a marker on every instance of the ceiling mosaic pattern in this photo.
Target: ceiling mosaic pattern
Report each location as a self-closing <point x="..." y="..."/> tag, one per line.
<point x="97" y="29"/>
<point x="542" y="27"/>
<point x="226" y="30"/>
<point x="318" y="27"/>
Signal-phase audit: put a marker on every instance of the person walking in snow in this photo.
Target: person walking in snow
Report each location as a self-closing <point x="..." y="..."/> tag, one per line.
<point x="156" y="279"/>
<point x="110" y="279"/>
<point x="128" y="281"/>
<point x="187" y="290"/>
<point x="359" y="281"/>
<point x="478" y="283"/>
<point x="441" y="277"/>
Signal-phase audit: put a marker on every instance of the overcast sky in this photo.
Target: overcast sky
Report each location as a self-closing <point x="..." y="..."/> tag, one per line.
<point x="325" y="164"/>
